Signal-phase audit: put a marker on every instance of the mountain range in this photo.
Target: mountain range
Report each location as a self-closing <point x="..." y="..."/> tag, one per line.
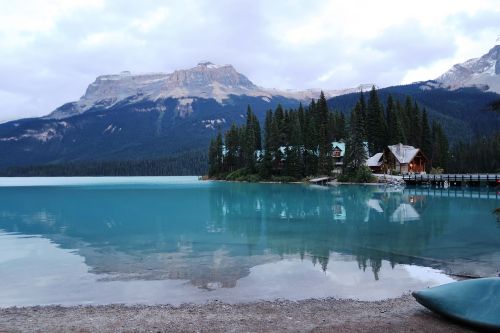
<point x="143" y="116"/>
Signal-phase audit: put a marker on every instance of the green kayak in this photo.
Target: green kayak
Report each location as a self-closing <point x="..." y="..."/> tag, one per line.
<point x="473" y="302"/>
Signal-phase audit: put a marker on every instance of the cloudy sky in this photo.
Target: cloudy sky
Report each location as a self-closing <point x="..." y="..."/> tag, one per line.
<point x="51" y="50"/>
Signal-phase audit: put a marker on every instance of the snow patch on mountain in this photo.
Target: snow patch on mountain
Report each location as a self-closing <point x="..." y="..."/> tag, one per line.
<point x="212" y="123"/>
<point x="40" y="135"/>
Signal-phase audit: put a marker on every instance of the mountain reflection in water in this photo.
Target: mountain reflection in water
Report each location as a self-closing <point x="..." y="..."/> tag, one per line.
<point x="212" y="234"/>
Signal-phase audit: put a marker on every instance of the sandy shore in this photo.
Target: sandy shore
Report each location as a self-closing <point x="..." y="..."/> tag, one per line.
<point x="330" y="315"/>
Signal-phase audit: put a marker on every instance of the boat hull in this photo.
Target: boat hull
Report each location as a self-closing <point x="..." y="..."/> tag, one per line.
<point x="472" y="302"/>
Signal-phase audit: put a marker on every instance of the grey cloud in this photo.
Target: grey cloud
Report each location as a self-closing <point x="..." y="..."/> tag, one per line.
<point x="55" y="68"/>
<point x="473" y="24"/>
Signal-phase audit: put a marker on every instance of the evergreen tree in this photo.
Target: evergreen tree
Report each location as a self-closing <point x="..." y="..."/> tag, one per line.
<point x="279" y="118"/>
<point x="294" y="161"/>
<point x="266" y="168"/>
<point x="314" y="123"/>
<point x="401" y="121"/>
<point x="232" y="142"/>
<point x="355" y="155"/>
<point x="249" y="141"/>
<point x="375" y="126"/>
<point x="408" y="119"/>
<point x="416" y="126"/>
<point x="390" y="118"/>
<point x="325" y="163"/>
<point x="212" y="157"/>
<point x="215" y="156"/>
<point x="219" y="151"/>
<point x="341" y="127"/>
<point x="276" y="143"/>
<point x="362" y="106"/>
<point x="426" y="135"/>
<point x="310" y="143"/>
<point x="332" y="126"/>
<point x="257" y="131"/>
<point x="301" y="115"/>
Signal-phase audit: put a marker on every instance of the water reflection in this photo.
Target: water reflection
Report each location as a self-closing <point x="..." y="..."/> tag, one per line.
<point x="214" y="234"/>
<point x="60" y="277"/>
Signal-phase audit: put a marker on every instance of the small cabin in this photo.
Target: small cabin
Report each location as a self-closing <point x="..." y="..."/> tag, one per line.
<point x="338" y="153"/>
<point x="404" y="159"/>
<point x="375" y="163"/>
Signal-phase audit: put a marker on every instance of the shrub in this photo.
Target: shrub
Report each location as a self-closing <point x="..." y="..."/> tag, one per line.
<point x="361" y="175"/>
<point x="237" y="174"/>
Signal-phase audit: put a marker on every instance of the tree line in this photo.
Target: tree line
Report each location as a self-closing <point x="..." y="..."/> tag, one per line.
<point x="297" y="143"/>
<point x="189" y="163"/>
<point x="477" y="156"/>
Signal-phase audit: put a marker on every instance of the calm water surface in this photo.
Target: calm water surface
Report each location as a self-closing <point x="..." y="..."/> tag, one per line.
<point x="176" y="239"/>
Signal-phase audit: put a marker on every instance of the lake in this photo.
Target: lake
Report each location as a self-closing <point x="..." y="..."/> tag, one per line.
<point x="176" y="239"/>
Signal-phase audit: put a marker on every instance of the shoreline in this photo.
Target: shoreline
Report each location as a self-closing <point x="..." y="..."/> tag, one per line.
<point x="401" y="314"/>
<point x="304" y="182"/>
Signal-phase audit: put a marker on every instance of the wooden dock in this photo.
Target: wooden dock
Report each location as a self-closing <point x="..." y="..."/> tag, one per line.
<point x="320" y="180"/>
<point x="453" y="179"/>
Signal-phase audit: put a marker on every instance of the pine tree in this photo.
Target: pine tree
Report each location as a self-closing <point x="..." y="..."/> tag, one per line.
<point x="362" y="106"/>
<point x="276" y="143"/>
<point x="295" y="164"/>
<point x="408" y="119"/>
<point x="266" y="168"/>
<point x="257" y="131"/>
<point x="355" y="155"/>
<point x="426" y="139"/>
<point x="310" y="142"/>
<point x="212" y="157"/>
<point x="249" y="141"/>
<point x="314" y="123"/>
<point x="341" y="127"/>
<point x="416" y="126"/>
<point x="279" y="118"/>
<point x="375" y="125"/>
<point x="325" y="163"/>
<point x="232" y="142"/>
<point x="392" y="122"/>
<point x="401" y="121"/>
<point x="219" y="150"/>
<point x="301" y="115"/>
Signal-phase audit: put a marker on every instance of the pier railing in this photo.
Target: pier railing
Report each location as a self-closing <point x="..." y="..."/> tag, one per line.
<point x="452" y="178"/>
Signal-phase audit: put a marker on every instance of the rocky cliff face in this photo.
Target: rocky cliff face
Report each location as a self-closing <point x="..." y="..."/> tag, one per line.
<point x="483" y="72"/>
<point x="206" y="80"/>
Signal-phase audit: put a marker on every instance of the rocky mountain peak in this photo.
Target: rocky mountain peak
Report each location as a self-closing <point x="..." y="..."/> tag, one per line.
<point x="483" y="72"/>
<point x="207" y="73"/>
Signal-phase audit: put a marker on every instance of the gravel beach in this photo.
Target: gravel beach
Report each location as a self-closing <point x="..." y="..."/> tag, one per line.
<point x="402" y="314"/>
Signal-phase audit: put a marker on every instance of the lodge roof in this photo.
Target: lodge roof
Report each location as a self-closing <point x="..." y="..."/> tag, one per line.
<point x="403" y="153"/>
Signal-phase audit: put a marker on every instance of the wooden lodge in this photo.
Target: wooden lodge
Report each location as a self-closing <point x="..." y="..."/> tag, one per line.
<point x="403" y="159"/>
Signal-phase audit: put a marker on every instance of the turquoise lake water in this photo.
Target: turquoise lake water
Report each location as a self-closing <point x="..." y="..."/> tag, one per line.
<point x="176" y="239"/>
